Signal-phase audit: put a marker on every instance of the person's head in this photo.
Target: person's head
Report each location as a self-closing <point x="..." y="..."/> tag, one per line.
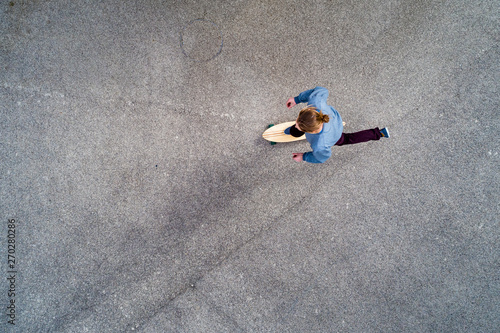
<point x="310" y="120"/>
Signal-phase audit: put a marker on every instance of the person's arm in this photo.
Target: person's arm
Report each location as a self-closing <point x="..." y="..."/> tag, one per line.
<point x="319" y="92"/>
<point x="303" y="96"/>
<point x="318" y="156"/>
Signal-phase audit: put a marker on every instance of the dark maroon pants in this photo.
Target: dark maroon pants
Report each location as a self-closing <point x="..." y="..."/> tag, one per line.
<point x="358" y="137"/>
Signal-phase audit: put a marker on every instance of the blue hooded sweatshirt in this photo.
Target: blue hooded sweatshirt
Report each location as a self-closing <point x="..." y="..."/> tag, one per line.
<point x="321" y="143"/>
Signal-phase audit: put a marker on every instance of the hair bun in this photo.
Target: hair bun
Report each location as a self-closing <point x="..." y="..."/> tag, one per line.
<point x="324" y="117"/>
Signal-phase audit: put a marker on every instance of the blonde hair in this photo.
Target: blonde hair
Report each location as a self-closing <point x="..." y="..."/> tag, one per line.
<point x="310" y="119"/>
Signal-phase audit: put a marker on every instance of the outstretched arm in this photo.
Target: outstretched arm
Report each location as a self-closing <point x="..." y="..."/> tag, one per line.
<point x="312" y="157"/>
<point x="318" y="156"/>
<point x="318" y="93"/>
<point x="301" y="98"/>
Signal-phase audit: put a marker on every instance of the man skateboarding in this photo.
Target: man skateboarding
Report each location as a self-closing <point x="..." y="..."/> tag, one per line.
<point x="323" y="127"/>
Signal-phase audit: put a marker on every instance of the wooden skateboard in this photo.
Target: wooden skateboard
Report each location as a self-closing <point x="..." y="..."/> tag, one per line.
<point x="275" y="133"/>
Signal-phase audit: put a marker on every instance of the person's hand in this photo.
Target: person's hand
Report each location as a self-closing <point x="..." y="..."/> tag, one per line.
<point x="298" y="157"/>
<point x="290" y="102"/>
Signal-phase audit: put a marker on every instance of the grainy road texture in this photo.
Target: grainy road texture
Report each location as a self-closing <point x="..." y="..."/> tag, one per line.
<point x="145" y="199"/>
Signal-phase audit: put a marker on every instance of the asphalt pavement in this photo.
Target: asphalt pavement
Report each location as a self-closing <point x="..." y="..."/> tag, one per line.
<point x="137" y="194"/>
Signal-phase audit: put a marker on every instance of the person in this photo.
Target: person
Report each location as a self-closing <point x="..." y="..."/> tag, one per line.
<point x="323" y="127"/>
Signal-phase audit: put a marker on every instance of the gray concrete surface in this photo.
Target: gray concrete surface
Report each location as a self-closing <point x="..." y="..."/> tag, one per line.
<point x="146" y="200"/>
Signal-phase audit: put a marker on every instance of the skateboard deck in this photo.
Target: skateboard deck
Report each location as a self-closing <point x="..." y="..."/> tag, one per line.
<point x="275" y="133"/>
